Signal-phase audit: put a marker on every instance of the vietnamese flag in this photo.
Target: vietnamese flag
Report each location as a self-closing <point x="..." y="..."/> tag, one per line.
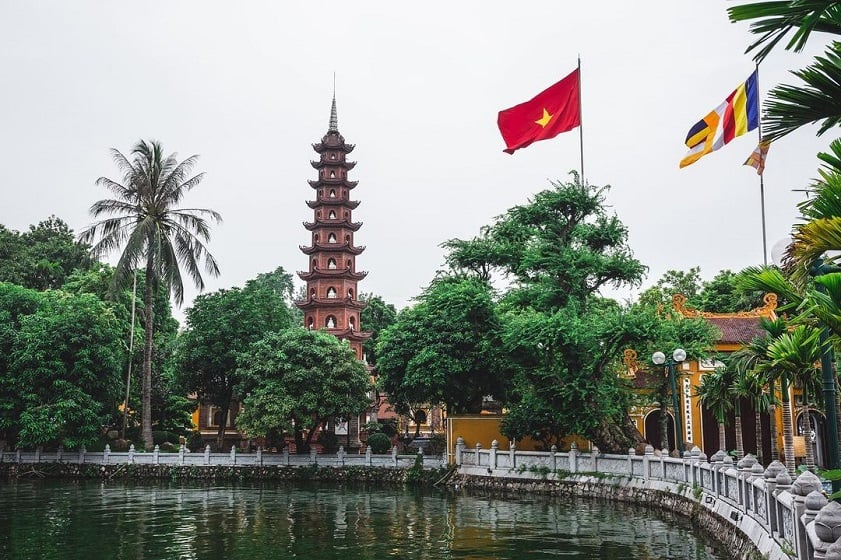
<point x="552" y="111"/>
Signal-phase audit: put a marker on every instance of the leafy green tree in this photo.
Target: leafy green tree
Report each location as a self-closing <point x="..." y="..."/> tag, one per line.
<point x="447" y="349"/>
<point x="686" y="283"/>
<point x="43" y="257"/>
<point x="723" y="294"/>
<point x="146" y="221"/>
<point x="714" y="392"/>
<point x="297" y="379"/>
<point x="221" y="326"/>
<point x="375" y="318"/>
<point x="61" y="378"/>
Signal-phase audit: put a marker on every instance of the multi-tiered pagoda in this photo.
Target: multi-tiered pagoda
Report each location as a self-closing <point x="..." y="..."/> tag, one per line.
<point x="332" y="297"/>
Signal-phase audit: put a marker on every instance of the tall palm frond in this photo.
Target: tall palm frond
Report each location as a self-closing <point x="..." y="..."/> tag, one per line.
<point x="773" y="20"/>
<point x="816" y="100"/>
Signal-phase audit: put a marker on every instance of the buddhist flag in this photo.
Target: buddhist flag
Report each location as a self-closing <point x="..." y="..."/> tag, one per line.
<point x="757" y="158"/>
<point x="549" y="113"/>
<point x="738" y="114"/>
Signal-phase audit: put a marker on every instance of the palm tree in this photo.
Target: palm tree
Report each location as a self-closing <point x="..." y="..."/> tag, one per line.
<point x="817" y="99"/>
<point x="793" y="355"/>
<point x="145" y="221"/>
<point x="714" y="394"/>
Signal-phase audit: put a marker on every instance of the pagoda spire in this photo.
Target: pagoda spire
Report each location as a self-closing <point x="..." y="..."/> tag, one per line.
<point x="334" y="119"/>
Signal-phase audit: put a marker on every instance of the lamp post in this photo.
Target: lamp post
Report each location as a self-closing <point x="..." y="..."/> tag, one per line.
<point x="659" y="359"/>
<point x="819" y="268"/>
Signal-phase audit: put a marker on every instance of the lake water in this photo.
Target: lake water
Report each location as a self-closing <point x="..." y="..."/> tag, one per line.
<point x="114" y="520"/>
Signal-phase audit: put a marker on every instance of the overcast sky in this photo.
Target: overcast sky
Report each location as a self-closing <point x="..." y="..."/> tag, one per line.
<point x="248" y="87"/>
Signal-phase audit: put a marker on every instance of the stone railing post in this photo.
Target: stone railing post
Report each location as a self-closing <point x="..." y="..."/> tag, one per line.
<point x="340" y="455"/>
<point x="313" y="456"/>
<point x="554" y="454"/>
<point x="631" y="454"/>
<point x="512" y="453"/>
<point x="181" y="454"/>
<point x="802" y="486"/>
<point x="368" y="459"/>
<point x="18" y="456"/>
<point x="573" y="457"/>
<point x="131" y="454"/>
<point x="394" y="455"/>
<point x="646" y="462"/>
<point x="594" y="452"/>
<point x="459" y="449"/>
<point x="814" y="502"/>
<point x="38" y="454"/>
<point x="286" y="456"/>
<point x="826" y="532"/>
<point x="745" y="464"/>
<point x="259" y="459"/>
<point x="82" y="451"/>
<point x="492" y="455"/>
<point x="156" y="455"/>
<point x="207" y="454"/>
<point x="233" y="454"/>
<point x="58" y="453"/>
<point x="478" y="453"/>
<point x="105" y="454"/>
<point x="770" y="476"/>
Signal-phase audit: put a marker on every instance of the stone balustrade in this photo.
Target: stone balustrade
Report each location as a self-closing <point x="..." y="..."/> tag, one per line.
<point x="233" y="458"/>
<point x="783" y="518"/>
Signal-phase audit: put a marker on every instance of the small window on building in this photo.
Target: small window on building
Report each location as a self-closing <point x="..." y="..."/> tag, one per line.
<point x="330" y="323"/>
<point x="310" y="323"/>
<point x="331" y="215"/>
<point x="314" y="264"/>
<point x="332" y="156"/>
<point x="332" y="174"/>
<point x="318" y="214"/>
<point x="331" y="264"/>
<point x="347" y="215"/>
<point x="347" y="239"/>
<point x="350" y="293"/>
<point x="331" y="238"/>
<point x="312" y="292"/>
<point x="352" y="323"/>
<point x="349" y="264"/>
<point x="332" y="193"/>
<point x="331" y="292"/>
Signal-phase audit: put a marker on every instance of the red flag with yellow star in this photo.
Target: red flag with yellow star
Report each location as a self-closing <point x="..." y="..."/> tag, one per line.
<point x="552" y="111"/>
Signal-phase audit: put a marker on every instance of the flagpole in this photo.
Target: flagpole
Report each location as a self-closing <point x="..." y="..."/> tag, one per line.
<point x="580" y="121"/>
<point x="761" y="175"/>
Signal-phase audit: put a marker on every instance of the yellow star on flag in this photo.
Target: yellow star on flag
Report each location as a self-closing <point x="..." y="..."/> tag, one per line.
<point x="544" y="120"/>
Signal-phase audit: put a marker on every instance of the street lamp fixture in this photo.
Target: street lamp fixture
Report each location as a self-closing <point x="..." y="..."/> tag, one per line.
<point x="678" y="356"/>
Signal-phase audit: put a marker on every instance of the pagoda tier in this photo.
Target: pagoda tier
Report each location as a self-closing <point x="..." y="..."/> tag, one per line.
<point x="332" y="248"/>
<point x="331" y="273"/>
<point x="344" y="224"/>
<point x="334" y="182"/>
<point x="318" y="303"/>
<point x="323" y="146"/>
<point x="352" y="204"/>
<point x="322" y="162"/>
<point x="350" y="334"/>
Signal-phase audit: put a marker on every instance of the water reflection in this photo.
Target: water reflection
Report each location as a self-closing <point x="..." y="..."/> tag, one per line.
<point x="49" y="520"/>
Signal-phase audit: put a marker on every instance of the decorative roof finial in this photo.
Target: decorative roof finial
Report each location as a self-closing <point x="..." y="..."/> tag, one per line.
<point x="334" y="119"/>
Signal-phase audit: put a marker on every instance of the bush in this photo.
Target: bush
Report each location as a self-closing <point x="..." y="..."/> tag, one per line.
<point x="159" y="437"/>
<point x="389" y="427"/>
<point x="328" y="441"/>
<point x="379" y="443"/>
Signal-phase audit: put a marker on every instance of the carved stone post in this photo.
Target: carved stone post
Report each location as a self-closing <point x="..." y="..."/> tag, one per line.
<point x="512" y="453"/>
<point x="646" y="462"/>
<point x="573" y="458"/>
<point x="553" y="451"/>
<point x="313" y="452"/>
<point x="131" y="454"/>
<point x="106" y="454"/>
<point x="631" y="454"/>
<point x="233" y="454"/>
<point x="207" y="454"/>
<point x="459" y="449"/>
<point x="492" y="455"/>
<point x="286" y="456"/>
<point x="340" y="455"/>
<point x="368" y="458"/>
<point x="156" y="454"/>
<point x="394" y="455"/>
<point x="827" y="530"/>
<point x="804" y="485"/>
<point x="259" y="459"/>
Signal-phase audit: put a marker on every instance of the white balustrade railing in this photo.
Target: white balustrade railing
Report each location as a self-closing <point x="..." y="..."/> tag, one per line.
<point x="784" y="518"/>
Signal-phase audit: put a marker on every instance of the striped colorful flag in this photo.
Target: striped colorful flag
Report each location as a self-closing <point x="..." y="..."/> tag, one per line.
<point x="738" y="114"/>
<point x="757" y="157"/>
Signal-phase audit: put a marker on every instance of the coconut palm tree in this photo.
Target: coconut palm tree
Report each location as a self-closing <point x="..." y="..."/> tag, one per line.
<point x="146" y="222"/>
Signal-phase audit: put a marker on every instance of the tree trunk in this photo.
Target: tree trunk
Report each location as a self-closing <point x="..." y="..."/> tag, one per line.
<point x="809" y="459"/>
<point x="149" y="325"/>
<point x="740" y="444"/>
<point x="722" y="440"/>
<point x="772" y="412"/>
<point x="788" y="431"/>
<point x="220" y="434"/>
<point x="760" y="455"/>
<point x="664" y="428"/>
<point x="614" y="437"/>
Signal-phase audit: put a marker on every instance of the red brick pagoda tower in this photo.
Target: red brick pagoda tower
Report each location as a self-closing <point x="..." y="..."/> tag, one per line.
<point x="332" y="278"/>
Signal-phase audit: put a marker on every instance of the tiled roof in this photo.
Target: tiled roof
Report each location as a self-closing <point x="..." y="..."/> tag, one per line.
<point x="736" y="330"/>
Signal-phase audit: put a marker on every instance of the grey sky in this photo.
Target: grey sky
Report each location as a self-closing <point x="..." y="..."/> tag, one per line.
<point x="247" y="86"/>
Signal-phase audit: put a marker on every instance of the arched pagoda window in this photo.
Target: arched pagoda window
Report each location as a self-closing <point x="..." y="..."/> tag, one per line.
<point x="310" y="323"/>
<point x="318" y="214"/>
<point x="332" y="156"/>
<point x="312" y="292"/>
<point x="332" y="174"/>
<point x="331" y="264"/>
<point x="331" y="292"/>
<point x="331" y="238"/>
<point x="347" y="214"/>
<point x="331" y="215"/>
<point x="330" y="323"/>
<point x="314" y="264"/>
<point x="350" y="293"/>
<point x="332" y="193"/>
<point x="352" y="323"/>
<point x="347" y="239"/>
<point x="350" y="265"/>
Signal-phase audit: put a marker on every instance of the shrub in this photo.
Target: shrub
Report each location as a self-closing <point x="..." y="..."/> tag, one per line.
<point x="379" y="443"/>
<point x="160" y="437"/>
<point x="388" y="427"/>
<point x="328" y="441"/>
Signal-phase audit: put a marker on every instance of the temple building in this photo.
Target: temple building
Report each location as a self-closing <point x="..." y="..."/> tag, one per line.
<point x="332" y="295"/>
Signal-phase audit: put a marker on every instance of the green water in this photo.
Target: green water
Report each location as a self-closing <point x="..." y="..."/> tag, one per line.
<point x="91" y="521"/>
